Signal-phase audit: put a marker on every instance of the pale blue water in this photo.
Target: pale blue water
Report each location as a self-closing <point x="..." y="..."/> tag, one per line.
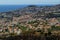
<point x="5" y="8"/>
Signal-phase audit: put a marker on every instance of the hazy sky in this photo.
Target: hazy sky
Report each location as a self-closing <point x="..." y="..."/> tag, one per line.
<point x="15" y="2"/>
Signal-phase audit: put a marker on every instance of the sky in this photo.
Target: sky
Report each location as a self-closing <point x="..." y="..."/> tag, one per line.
<point x="18" y="2"/>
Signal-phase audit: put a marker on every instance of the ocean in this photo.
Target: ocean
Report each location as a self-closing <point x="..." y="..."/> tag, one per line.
<point x="6" y="8"/>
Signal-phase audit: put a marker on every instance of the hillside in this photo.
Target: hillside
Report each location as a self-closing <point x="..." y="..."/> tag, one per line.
<point x="33" y="11"/>
<point x="31" y="19"/>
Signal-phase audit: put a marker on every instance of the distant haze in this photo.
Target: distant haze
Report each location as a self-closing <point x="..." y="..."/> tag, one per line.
<point x="19" y="2"/>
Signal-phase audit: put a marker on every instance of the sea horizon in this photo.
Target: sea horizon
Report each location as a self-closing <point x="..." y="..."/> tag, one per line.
<point x="6" y="8"/>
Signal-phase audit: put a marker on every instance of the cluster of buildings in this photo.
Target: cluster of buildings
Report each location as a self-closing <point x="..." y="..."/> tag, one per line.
<point x="45" y="24"/>
<point x="10" y="29"/>
<point x="23" y="20"/>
